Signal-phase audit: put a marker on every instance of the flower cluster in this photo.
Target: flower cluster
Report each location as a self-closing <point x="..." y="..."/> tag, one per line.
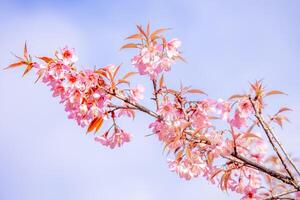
<point x="156" y="58"/>
<point x="81" y="92"/>
<point x="86" y="94"/>
<point x="117" y="139"/>
<point x="187" y="129"/>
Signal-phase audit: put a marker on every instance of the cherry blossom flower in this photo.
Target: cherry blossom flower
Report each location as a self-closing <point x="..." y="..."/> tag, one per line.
<point x="67" y="55"/>
<point x="223" y="108"/>
<point x="137" y="93"/>
<point x="118" y="138"/>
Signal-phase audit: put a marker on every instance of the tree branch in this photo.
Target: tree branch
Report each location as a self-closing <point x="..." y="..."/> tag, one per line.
<point x="261" y="168"/>
<point x="271" y="136"/>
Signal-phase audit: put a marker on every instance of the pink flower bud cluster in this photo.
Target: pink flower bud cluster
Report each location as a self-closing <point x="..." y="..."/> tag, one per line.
<point x="156" y="58"/>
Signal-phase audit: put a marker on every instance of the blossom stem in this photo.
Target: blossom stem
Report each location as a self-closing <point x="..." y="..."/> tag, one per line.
<point x="135" y="104"/>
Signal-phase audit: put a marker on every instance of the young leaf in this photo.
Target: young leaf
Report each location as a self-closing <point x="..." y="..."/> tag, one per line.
<point x="141" y="31"/>
<point x="196" y="91"/>
<point x="134" y="36"/>
<point x="131" y="45"/>
<point x="25" y="51"/>
<point x="284" y="109"/>
<point x="179" y="156"/>
<point x="28" y="68"/>
<point x="46" y="59"/>
<point x="161" y="81"/>
<point x="129" y="74"/>
<point x="224" y="180"/>
<point x="17" y="64"/>
<point x="274" y="92"/>
<point x="148" y="29"/>
<point x="95" y="124"/>
<point x="157" y="32"/>
<point x="116" y="71"/>
<point x="216" y="173"/>
<point x="250" y="135"/>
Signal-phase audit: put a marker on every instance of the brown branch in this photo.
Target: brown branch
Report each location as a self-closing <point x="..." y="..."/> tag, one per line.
<point x="155" y="93"/>
<point x="135" y="104"/>
<point x="249" y="163"/>
<point x="115" y="108"/>
<point x="270" y="134"/>
<point x="282" y="148"/>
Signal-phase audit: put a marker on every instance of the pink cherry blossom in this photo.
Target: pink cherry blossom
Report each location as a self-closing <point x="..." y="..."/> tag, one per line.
<point x="137" y="93"/>
<point x="118" y="138"/>
<point x="223" y="108"/>
<point x="154" y="59"/>
<point x="67" y="55"/>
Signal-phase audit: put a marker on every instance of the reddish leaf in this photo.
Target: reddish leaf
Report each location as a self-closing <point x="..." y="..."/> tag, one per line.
<point x="95" y="124"/>
<point x="28" y="68"/>
<point x="250" y="135"/>
<point x="216" y="173"/>
<point x="279" y="119"/>
<point x="131" y="45"/>
<point x="196" y="91"/>
<point x="210" y="158"/>
<point x="123" y="81"/>
<point x="274" y="92"/>
<point x="237" y="96"/>
<point x="99" y="124"/>
<point x="148" y="29"/>
<point x="116" y="71"/>
<point x="284" y="109"/>
<point x="161" y="81"/>
<point x="134" y="36"/>
<point x="224" y="180"/>
<point x="171" y="91"/>
<point x="17" y="64"/>
<point x="46" y="59"/>
<point x="185" y="125"/>
<point x="179" y="156"/>
<point x="129" y="74"/>
<point x="179" y="58"/>
<point x="25" y="51"/>
<point x="141" y="31"/>
<point x="188" y="153"/>
<point x="102" y="72"/>
<point x="157" y="32"/>
<point x="40" y="74"/>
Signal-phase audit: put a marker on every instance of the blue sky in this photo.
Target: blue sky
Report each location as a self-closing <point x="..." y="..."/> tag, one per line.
<point x="227" y="44"/>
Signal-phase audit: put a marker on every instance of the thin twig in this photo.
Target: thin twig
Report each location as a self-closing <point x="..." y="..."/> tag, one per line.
<point x="281" y="194"/>
<point x="249" y="163"/>
<point x="135" y="104"/>
<point x="271" y="138"/>
<point x="282" y="148"/>
<point x="155" y="93"/>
